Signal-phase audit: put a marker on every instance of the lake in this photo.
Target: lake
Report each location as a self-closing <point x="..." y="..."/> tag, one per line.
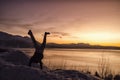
<point x="79" y="58"/>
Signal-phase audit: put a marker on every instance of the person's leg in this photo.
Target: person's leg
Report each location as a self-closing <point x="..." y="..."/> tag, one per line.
<point x="41" y="64"/>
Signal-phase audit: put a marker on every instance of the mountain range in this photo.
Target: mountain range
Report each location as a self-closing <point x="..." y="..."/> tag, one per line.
<point x="16" y="41"/>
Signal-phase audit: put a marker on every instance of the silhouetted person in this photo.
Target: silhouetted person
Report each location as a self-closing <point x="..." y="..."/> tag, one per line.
<point x="39" y="49"/>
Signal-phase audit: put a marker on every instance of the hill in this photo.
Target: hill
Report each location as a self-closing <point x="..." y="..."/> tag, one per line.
<point x="9" y="40"/>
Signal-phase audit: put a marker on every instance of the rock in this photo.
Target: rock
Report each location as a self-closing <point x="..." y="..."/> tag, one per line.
<point x="75" y="75"/>
<point x="13" y="66"/>
<point x="20" y="72"/>
<point x="15" y="57"/>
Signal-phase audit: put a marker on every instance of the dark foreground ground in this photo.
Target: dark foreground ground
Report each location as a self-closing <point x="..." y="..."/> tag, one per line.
<point x="13" y="66"/>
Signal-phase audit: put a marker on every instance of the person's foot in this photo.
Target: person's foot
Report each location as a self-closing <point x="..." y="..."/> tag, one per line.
<point x="47" y="32"/>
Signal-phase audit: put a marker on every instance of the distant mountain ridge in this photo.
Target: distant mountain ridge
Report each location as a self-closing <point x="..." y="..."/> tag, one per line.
<point x="16" y="41"/>
<point x="80" y="46"/>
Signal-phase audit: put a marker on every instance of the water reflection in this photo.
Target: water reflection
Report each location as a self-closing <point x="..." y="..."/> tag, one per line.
<point x="80" y="57"/>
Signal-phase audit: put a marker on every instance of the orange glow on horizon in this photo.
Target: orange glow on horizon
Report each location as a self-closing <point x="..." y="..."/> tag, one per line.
<point x="75" y="41"/>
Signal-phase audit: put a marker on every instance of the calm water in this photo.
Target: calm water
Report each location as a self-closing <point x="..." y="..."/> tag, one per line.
<point x="80" y="58"/>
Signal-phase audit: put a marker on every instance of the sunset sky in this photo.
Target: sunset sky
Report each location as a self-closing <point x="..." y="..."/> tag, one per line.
<point x="80" y="21"/>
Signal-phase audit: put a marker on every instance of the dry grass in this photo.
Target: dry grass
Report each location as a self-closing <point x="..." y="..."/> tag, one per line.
<point x="53" y="64"/>
<point x="104" y="67"/>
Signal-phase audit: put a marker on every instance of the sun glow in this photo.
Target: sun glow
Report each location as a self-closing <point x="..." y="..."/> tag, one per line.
<point x="99" y="37"/>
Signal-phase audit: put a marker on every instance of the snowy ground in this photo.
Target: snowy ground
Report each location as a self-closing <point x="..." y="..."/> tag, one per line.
<point x="13" y="66"/>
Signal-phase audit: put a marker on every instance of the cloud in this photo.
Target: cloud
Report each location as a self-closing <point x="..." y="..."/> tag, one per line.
<point x="50" y="24"/>
<point x="61" y="35"/>
<point x="54" y="17"/>
<point x="38" y="26"/>
<point x="13" y="23"/>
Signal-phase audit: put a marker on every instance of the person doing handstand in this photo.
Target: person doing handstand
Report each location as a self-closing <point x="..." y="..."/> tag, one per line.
<point x="39" y="49"/>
